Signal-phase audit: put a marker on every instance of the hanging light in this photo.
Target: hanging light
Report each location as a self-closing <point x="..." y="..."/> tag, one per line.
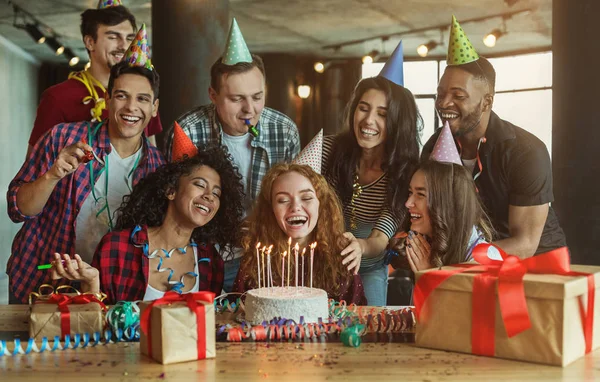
<point x="56" y="46"/>
<point x="490" y="39"/>
<point x="34" y="31"/>
<point x="303" y="91"/>
<point x="319" y="67"/>
<point x="424" y="49"/>
<point x="371" y="57"/>
<point x="72" y="57"/>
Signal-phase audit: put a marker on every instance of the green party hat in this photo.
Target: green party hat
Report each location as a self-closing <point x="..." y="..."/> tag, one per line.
<point x="460" y="49"/>
<point x="236" y="49"/>
<point x="108" y="3"/>
<point x="138" y="53"/>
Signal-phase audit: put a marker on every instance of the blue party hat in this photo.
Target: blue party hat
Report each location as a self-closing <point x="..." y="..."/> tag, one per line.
<point x="393" y="69"/>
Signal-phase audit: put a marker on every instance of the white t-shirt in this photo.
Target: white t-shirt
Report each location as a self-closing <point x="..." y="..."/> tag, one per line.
<point x="154" y="294"/>
<point x="469" y="164"/>
<point x="91" y="224"/>
<point x="241" y="151"/>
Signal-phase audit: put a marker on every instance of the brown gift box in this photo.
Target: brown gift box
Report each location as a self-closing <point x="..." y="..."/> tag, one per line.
<point x="556" y="334"/>
<point x="45" y="319"/>
<point x="174" y="332"/>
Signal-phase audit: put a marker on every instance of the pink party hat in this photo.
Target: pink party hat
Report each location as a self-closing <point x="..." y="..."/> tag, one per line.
<point x="312" y="154"/>
<point x="445" y="147"/>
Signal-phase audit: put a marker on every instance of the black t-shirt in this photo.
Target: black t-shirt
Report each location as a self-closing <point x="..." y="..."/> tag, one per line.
<point x="516" y="170"/>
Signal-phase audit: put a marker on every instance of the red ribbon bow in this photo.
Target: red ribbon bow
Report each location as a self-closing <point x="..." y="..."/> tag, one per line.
<point x="191" y="299"/>
<point x="63" y="302"/>
<point x="508" y="275"/>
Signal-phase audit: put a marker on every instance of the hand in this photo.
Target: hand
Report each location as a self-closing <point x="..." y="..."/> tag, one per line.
<point x="352" y="253"/>
<point x="398" y="242"/>
<point x="69" y="159"/>
<point x="76" y="270"/>
<point x="418" y="252"/>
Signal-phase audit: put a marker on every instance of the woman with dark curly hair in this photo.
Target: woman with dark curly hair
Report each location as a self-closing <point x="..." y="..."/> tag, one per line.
<point x="444" y="220"/>
<point x="369" y="164"/>
<point x="295" y="202"/>
<point x="164" y="236"/>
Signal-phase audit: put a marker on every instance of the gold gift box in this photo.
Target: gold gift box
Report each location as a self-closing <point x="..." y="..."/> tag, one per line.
<point x="174" y="332"/>
<point x="556" y="335"/>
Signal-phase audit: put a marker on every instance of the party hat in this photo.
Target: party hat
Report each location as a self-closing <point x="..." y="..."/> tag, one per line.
<point x="108" y="3"/>
<point x="393" y="69"/>
<point x="182" y="144"/>
<point x="312" y="154"/>
<point x="236" y="49"/>
<point x="138" y="53"/>
<point x="460" y="50"/>
<point x="445" y="147"/>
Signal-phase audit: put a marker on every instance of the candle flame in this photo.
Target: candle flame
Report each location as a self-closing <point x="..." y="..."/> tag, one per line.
<point x="296" y="247"/>
<point x="258" y="245"/>
<point x="303" y="250"/>
<point x="290" y="241"/>
<point x="284" y="253"/>
<point x="313" y="245"/>
<point x="269" y="249"/>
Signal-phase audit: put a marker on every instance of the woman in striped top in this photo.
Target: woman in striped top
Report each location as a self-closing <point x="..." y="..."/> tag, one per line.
<point x="370" y="164"/>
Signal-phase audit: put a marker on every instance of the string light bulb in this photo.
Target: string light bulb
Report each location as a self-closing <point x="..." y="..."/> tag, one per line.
<point x="424" y="49"/>
<point x="303" y="91"/>
<point x="491" y="38"/>
<point x="319" y="67"/>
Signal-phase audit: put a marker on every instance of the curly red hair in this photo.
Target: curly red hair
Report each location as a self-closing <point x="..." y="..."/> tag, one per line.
<point x="329" y="272"/>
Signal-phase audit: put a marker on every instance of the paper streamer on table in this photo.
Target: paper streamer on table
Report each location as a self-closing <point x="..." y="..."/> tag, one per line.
<point x="124" y="317"/>
<point x="357" y="320"/>
<point x="79" y="341"/>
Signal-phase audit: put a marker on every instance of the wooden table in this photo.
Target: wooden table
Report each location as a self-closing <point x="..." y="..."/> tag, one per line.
<point x="277" y="362"/>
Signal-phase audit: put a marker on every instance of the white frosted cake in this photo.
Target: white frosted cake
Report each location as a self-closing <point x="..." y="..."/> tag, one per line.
<point x="265" y="304"/>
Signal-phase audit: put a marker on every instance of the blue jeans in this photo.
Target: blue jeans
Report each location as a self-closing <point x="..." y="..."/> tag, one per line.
<point x="231" y="270"/>
<point x="375" y="283"/>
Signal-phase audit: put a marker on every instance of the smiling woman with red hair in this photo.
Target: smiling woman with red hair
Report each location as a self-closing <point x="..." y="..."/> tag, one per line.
<point x="297" y="202"/>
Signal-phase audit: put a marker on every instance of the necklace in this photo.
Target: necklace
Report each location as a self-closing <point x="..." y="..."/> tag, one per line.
<point x="356" y="192"/>
<point x="174" y="285"/>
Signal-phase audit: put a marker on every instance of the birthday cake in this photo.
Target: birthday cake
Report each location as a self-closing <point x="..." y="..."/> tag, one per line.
<point x="265" y="304"/>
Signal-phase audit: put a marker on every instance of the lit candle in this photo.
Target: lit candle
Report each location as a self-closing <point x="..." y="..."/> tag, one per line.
<point x="258" y="263"/>
<point x="283" y="268"/>
<point x="302" y="255"/>
<point x="296" y="262"/>
<point x="312" y="255"/>
<point x="269" y="273"/>
<point x="262" y="255"/>
<point x="289" y="253"/>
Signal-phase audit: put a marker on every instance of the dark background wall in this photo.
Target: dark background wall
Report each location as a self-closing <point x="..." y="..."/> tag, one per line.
<point x="575" y="134"/>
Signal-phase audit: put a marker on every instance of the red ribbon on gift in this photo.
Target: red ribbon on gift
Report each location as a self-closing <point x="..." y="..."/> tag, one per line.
<point x="508" y="276"/>
<point x="191" y="299"/>
<point x="63" y="302"/>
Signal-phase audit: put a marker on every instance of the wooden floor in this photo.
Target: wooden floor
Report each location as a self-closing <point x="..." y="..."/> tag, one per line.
<point x="278" y="362"/>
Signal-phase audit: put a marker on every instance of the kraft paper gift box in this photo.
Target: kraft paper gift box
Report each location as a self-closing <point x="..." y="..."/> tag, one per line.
<point x="556" y="335"/>
<point x="61" y="314"/>
<point x="173" y="332"/>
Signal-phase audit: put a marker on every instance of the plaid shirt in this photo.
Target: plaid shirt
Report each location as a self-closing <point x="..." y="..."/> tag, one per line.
<point x="53" y="229"/>
<point x="278" y="140"/>
<point x="124" y="268"/>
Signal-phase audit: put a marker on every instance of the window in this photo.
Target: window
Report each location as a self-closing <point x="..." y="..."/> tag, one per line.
<point x="523" y="91"/>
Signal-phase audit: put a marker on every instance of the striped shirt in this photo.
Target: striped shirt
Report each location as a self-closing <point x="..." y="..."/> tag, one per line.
<point x="371" y="207"/>
<point x="278" y="140"/>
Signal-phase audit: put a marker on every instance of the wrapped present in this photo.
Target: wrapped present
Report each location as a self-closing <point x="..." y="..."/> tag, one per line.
<point x="61" y="314"/>
<point x="178" y="327"/>
<point x="539" y="309"/>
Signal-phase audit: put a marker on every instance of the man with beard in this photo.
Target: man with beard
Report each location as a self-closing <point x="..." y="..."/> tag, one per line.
<point x="107" y="32"/>
<point x="66" y="194"/>
<point x="510" y="166"/>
